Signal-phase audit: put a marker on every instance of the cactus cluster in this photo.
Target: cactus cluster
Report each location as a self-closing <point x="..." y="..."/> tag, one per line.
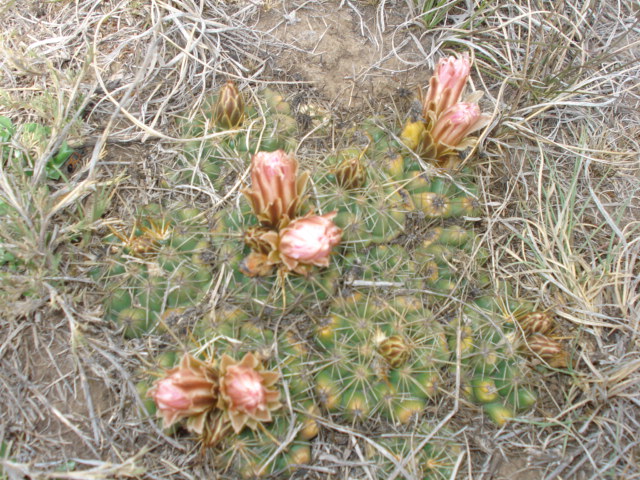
<point x="277" y="445"/>
<point x="155" y="267"/>
<point x="361" y="293"/>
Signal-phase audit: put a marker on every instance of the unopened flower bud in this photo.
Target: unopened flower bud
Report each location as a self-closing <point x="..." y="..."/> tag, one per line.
<point x="549" y="350"/>
<point x="228" y="111"/>
<point x="308" y="241"/>
<point x="536" y="322"/>
<point x="187" y="391"/>
<point x="245" y="391"/>
<point x="350" y="173"/>
<point x="395" y="350"/>
<point x="446" y="85"/>
<point x="170" y="396"/>
<point x="456" y="123"/>
<point x="276" y="189"/>
<point x="245" y="388"/>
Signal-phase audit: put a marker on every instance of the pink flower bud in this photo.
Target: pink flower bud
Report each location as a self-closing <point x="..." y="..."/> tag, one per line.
<point x="276" y="188"/>
<point x="309" y="241"/>
<point x="246" y="393"/>
<point x="188" y="391"/>
<point x="446" y="85"/>
<point x="453" y="72"/>
<point x="456" y="123"/>
<point x="245" y="388"/>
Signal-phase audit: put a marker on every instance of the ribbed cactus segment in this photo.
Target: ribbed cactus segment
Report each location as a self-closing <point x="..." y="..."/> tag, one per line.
<point x="256" y="455"/>
<point x="382" y="358"/>
<point x="157" y="266"/>
<point x="435" y="196"/>
<point x="370" y="208"/>
<point x="441" y="198"/>
<point x="494" y="373"/>
<point x="414" y="454"/>
<point x="449" y="259"/>
<point x="217" y="161"/>
<point x="382" y="266"/>
<point x="209" y="163"/>
<point x="272" y="450"/>
<point x="445" y="260"/>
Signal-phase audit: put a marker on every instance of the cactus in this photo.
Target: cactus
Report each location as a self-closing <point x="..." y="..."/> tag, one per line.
<point x="379" y="357"/>
<point x="435" y="197"/>
<point x="435" y="460"/>
<point x="382" y="265"/>
<point x="494" y="374"/>
<point x="448" y="258"/>
<point x="283" y="443"/>
<point x="215" y="162"/>
<point x="370" y="209"/>
<point x="382" y="358"/>
<point x="158" y="268"/>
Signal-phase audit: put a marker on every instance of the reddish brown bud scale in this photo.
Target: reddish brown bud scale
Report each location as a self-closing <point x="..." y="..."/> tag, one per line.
<point x="395" y="351"/>
<point x="350" y="173"/>
<point x="256" y="265"/>
<point x="253" y="239"/>
<point x="536" y="322"/>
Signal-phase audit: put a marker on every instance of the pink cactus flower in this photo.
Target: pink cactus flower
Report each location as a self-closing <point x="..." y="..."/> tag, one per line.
<point x="456" y="123"/>
<point x="446" y="85"/>
<point x="246" y="395"/>
<point x="308" y="241"/>
<point x="187" y="391"/>
<point x="277" y="189"/>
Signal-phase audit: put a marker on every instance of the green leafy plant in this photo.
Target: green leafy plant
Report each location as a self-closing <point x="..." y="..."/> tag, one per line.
<point x="32" y="138"/>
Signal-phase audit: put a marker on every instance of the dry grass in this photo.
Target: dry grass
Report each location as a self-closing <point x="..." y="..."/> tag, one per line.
<point x="559" y="174"/>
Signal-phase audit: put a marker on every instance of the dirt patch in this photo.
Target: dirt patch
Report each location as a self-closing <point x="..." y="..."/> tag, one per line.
<point x="51" y="396"/>
<point x="343" y="53"/>
<point x="516" y="468"/>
